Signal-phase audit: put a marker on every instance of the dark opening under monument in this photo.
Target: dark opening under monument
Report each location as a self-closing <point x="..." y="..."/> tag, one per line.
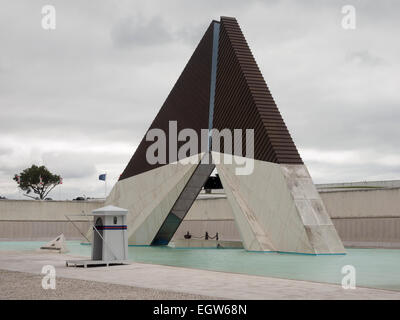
<point x="276" y="207"/>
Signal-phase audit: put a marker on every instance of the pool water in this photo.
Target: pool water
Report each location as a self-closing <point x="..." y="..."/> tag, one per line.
<point x="375" y="268"/>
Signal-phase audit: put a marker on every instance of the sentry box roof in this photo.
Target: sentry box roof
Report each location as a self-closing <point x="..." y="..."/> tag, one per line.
<point x="109" y="211"/>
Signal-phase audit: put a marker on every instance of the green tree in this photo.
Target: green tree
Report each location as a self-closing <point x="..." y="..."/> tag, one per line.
<point x="37" y="179"/>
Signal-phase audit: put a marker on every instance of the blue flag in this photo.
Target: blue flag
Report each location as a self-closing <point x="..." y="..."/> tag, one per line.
<point x="102" y="177"/>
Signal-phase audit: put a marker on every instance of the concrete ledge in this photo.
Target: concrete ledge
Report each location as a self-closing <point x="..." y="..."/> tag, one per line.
<point x="372" y="244"/>
<point x="194" y="243"/>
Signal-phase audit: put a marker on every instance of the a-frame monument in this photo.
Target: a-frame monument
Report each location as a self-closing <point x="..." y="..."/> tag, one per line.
<point x="276" y="207"/>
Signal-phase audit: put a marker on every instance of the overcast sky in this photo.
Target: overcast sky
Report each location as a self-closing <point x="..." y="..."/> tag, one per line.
<point x="79" y="98"/>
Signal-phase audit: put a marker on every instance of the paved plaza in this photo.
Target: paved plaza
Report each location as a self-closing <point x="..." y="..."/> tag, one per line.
<point x="170" y="281"/>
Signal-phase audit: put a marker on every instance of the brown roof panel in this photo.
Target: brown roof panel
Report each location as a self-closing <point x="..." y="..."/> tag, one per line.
<point x="243" y="100"/>
<point x="187" y="103"/>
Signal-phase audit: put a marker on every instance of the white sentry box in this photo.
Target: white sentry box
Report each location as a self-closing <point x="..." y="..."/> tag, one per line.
<point x="110" y="241"/>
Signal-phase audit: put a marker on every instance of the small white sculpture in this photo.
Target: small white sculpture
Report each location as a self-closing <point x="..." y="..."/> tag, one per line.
<point x="58" y="245"/>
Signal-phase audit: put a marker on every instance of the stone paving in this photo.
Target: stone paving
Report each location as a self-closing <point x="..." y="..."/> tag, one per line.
<point x="17" y="285"/>
<point x="190" y="281"/>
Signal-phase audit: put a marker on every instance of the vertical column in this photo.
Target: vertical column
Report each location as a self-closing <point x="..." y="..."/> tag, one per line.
<point x="213" y="80"/>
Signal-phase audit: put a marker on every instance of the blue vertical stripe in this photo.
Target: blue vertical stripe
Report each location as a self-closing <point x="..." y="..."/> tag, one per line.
<point x="213" y="80"/>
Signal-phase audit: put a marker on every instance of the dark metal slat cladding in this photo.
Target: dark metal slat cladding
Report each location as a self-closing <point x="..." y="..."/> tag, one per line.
<point x="187" y="103"/>
<point x="243" y="100"/>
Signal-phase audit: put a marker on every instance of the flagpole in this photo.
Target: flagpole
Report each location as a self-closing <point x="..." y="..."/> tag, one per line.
<point x="105" y="186"/>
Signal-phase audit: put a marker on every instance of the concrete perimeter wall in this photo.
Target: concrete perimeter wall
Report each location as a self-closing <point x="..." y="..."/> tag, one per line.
<point x="367" y="217"/>
<point x="363" y="217"/>
<point x="43" y="220"/>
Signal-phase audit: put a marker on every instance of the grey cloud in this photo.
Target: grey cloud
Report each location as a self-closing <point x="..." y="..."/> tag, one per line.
<point x="69" y="165"/>
<point x="100" y="78"/>
<point x="366" y="127"/>
<point x="5" y="151"/>
<point x="323" y="173"/>
<point x="8" y="170"/>
<point x="123" y="127"/>
<point x="364" y="57"/>
<point x="136" y="31"/>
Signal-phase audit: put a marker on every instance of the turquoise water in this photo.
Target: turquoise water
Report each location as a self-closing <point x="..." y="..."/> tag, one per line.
<point x="375" y="268"/>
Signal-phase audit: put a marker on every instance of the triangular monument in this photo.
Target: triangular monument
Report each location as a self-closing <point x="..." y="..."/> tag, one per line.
<point x="276" y="207"/>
